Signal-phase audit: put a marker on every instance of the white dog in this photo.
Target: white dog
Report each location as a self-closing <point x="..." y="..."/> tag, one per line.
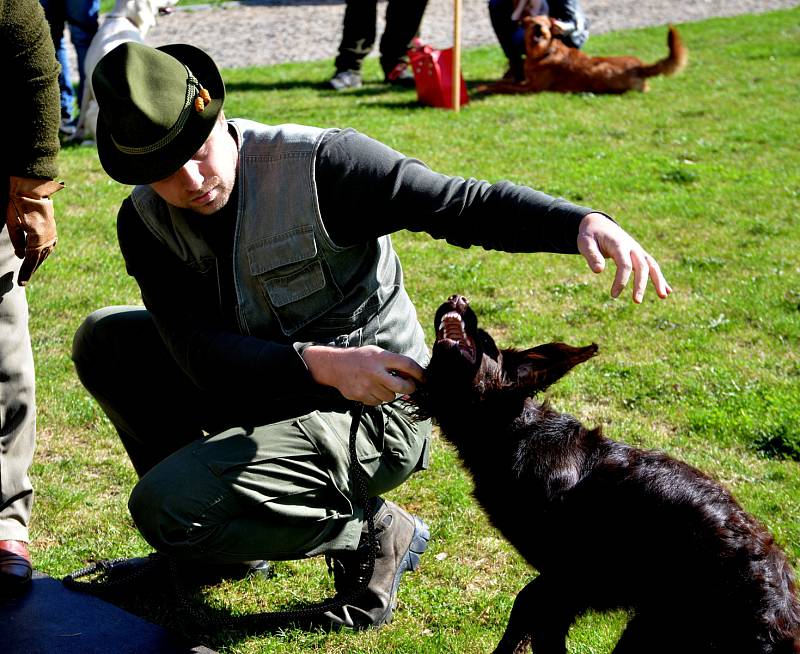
<point x="130" y="20"/>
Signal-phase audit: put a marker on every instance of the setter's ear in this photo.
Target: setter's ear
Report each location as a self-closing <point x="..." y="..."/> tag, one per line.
<point x="544" y="365"/>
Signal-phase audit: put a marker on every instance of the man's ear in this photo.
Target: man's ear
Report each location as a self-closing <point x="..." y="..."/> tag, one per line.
<point x="544" y="365"/>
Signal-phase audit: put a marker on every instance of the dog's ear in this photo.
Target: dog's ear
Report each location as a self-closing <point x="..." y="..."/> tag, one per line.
<point x="544" y="365"/>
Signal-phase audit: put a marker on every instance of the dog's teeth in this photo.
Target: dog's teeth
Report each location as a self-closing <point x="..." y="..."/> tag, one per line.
<point x="452" y="326"/>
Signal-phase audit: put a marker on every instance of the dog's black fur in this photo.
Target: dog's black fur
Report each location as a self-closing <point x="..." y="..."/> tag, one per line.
<point x="606" y="525"/>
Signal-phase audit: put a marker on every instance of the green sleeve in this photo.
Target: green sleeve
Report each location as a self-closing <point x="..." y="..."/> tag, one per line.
<point x="31" y="107"/>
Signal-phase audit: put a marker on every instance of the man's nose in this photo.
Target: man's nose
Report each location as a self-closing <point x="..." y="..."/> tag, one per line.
<point x="189" y="176"/>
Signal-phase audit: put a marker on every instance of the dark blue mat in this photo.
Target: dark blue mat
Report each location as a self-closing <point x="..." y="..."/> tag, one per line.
<point x="50" y="619"/>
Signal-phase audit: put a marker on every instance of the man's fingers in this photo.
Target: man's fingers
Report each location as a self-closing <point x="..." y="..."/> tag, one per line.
<point x="400" y="384"/>
<point x="31" y="262"/>
<point x="641" y="271"/>
<point x="404" y="367"/>
<point x="33" y="259"/>
<point x="15" y="232"/>
<point x="587" y="246"/>
<point x="624" y="267"/>
<point x="659" y="281"/>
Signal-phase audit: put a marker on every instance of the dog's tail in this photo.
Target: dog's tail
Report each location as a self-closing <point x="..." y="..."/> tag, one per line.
<point x="672" y="64"/>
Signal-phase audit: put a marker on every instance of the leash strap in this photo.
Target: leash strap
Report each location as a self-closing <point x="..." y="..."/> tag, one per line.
<point x="105" y="584"/>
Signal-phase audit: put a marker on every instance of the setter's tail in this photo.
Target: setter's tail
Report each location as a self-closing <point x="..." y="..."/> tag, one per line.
<point x="672" y="64"/>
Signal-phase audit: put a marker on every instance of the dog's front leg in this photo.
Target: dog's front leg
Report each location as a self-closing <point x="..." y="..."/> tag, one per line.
<point x="540" y="619"/>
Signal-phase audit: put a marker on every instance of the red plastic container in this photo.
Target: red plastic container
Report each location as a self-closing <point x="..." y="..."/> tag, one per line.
<point x="433" y="76"/>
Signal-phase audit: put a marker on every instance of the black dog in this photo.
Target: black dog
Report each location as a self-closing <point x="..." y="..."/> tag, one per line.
<point x="606" y="525"/>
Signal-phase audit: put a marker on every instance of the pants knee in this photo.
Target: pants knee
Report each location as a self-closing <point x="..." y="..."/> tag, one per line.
<point x="156" y="521"/>
<point x="96" y="342"/>
<point x="86" y="344"/>
<point x="174" y="516"/>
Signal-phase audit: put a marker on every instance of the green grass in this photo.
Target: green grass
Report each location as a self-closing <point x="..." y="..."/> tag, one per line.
<point x="704" y="170"/>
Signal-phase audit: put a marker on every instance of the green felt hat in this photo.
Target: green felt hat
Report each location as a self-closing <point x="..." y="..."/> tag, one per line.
<point x="151" y="119"/>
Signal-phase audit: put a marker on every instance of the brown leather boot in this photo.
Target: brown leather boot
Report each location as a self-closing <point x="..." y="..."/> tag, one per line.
<point x="401" y="538"/>
<point x="15" y="565"/>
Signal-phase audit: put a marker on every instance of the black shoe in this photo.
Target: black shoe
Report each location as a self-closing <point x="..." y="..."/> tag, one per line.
<point x="346" y="79"/>
<point x="15" y="566"/>
<point x="401" y="538"/>
<point x="401" y="75"/>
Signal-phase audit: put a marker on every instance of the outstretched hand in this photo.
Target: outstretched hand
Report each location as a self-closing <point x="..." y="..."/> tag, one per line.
<point x="600" y="238"/>
<point x="367" y="374"/>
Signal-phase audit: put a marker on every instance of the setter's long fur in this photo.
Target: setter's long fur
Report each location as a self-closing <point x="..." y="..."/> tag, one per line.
<point x="606" y="525"/>
<point x="550" y="65"/>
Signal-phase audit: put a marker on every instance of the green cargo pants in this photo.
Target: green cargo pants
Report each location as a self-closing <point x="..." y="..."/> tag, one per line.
<point x="278" y="489"/>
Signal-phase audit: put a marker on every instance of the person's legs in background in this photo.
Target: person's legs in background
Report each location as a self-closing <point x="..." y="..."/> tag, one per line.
<point x="358" y="37"/>
<point x="17" y="420"/>
<point x="510" y="36"/>
<point x="82" y="18"/>
<point x="403" y="18"/>
<point x="56" y="13"/>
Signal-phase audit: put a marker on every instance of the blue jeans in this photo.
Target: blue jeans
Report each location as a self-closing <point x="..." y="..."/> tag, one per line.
<point x="81" y="15"/>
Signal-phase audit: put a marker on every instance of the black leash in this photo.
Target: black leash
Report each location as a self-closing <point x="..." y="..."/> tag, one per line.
<point x="105" y="583"/>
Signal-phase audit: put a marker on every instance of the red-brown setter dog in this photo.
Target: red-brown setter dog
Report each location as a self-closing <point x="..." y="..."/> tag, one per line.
<point x="550" y="65"/>
<point x="607" y="526"/>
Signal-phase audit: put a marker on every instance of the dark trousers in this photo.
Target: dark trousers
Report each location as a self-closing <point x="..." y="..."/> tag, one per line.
<point x="229" y="478"/>
<point x="403" y="18"/>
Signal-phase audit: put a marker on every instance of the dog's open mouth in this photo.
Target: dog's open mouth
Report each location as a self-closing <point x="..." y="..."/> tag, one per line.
<point x="451" y="333"/>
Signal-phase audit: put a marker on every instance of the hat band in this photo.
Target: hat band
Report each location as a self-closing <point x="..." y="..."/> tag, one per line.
<point x="191" y="91"/>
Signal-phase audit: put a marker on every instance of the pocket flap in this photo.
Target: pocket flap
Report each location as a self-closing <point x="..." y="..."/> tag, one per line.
<point x="290" y="247"/>
<point x="300" y="284"/>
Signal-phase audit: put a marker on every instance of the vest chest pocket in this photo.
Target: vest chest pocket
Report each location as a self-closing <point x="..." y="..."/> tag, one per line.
<point x="293" y="278"/>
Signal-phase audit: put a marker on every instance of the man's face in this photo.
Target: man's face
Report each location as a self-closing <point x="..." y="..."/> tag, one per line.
<point x="204" y="183"/>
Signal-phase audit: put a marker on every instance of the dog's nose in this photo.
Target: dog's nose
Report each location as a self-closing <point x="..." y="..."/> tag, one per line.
<point x="458" y="302"/>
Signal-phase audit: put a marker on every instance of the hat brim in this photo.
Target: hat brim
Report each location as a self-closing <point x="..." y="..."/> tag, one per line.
<point x="158" y="165"/>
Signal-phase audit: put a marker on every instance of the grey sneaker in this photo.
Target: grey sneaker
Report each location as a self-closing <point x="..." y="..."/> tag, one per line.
<point x="346" y="79"/>
<point x="401" y="540"/>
